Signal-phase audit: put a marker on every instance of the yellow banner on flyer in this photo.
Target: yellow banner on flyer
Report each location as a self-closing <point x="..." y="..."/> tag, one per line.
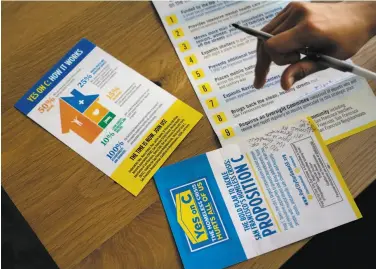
<point x="333" y="166"/>
<point x="155" y="147"/>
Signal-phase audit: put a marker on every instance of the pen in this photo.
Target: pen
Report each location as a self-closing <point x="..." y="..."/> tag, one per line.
<point x="322" y="59"/>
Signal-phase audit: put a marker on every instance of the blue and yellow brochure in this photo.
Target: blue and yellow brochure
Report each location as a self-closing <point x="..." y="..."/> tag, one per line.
<point x="240" y="201"/>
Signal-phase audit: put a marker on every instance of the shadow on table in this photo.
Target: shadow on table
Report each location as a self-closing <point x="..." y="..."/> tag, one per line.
<point x="20" y="247"/>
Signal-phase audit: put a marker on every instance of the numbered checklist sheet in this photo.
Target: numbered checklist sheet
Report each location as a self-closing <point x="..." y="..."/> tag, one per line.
<point x="219" y="61"/>
<point x="276" y="187"/>
<point x="109" y="114"/>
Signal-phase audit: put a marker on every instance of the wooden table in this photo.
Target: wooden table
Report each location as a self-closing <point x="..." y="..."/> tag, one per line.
<point x="84" y="219"/>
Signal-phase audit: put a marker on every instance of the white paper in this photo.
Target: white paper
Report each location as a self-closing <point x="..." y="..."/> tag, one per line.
<point x="274" y="188"/>
<point x="219" y="61"/>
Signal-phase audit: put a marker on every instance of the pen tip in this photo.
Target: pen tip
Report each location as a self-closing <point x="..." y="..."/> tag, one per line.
<point x="235" y="25"/>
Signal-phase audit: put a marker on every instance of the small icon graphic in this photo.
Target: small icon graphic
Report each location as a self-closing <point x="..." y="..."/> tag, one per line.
<point x="76" y="121"/>
<point x="96" y="112"/>
<point x="310" y="196"/>
<point x="297" y="170"/>
<point x="84" y="115"/>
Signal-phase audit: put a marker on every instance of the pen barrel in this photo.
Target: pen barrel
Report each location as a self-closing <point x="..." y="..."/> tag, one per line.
<point x="319" y="58"/>
<point x="335" y="63"/>
<point x="327" y="60"/>
<point x="364" y="73"/>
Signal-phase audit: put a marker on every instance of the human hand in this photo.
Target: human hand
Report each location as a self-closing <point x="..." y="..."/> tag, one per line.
<point x="335" y="29"/>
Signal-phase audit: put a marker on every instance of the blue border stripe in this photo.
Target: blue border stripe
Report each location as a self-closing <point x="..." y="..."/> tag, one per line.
<point x="25" y="106"/>
<point x="221" y="255"/>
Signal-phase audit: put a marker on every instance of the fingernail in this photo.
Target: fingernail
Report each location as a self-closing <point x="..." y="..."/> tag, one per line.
<point x="258" y="83"/>
<point x="290" y="82"/>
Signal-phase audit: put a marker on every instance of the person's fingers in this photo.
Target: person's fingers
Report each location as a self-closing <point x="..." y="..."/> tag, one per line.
<point x="298" y="71"/>
<point x="265" y="55"/>
<point x="288" y="23"/>
<point x="283" y="59"/>
<point x="275" y="22"/>
<point x="287" y="41"/>
<point x="282" y="48"/>
<point x="262" y="65"/>
<point x="272" y="46"/>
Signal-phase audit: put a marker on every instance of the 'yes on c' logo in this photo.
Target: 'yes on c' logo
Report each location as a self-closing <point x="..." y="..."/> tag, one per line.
<point x="197" y="215"/>
<point x="189" y="217"/>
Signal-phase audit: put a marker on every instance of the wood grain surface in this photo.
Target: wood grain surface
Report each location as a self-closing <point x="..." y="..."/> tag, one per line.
<point x="83" y="218"/>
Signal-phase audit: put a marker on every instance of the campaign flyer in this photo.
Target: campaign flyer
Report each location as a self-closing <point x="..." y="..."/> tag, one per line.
<point x="219" y="61"/>
<point x="240" y="201"/>
<point x="109" y="114"/>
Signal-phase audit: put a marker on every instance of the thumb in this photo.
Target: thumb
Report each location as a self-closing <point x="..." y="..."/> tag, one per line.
<point x="298" y="71"/>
